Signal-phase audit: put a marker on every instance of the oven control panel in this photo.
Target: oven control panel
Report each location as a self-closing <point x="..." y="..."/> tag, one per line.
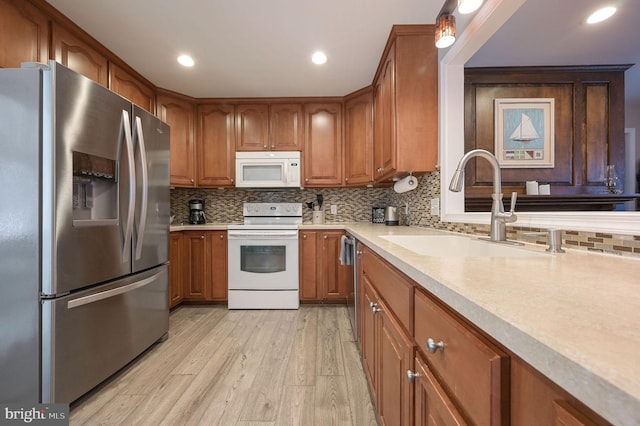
<point x="272" y="209"/>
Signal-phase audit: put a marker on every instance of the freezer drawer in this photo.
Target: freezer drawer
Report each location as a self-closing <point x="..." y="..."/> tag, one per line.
<point x="90" y="335"/>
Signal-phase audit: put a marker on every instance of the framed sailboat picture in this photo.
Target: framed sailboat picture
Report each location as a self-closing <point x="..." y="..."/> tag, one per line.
<point x="524" y="130"/>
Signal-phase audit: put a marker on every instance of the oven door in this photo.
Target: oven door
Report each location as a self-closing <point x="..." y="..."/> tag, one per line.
<point x="263" y="259"/>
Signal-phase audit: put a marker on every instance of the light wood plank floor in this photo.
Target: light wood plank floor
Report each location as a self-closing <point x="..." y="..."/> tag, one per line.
<point x="243" y="368"/>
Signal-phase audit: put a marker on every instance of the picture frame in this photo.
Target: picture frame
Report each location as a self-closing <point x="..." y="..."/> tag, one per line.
<point x="524" y="132"/>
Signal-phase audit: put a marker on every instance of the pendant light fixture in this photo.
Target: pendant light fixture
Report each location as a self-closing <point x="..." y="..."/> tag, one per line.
<point x="445" y="30"/>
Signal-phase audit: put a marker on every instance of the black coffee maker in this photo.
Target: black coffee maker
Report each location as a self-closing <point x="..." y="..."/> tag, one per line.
<point x="196" y="212"/>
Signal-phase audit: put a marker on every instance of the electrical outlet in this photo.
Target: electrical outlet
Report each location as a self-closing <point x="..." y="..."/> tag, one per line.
<point x="334" y="209"/>
<point x="435" y="206"/>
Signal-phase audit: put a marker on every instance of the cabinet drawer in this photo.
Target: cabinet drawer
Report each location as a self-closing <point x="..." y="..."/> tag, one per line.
<point x="475" y="372"/>
<point x="393" y="287"/>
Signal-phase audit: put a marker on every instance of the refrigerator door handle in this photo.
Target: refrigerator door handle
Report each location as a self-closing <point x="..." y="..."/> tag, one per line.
<point x="128" y="234"/>
<point x="113" y="292"/>
<point x="139" y="135"/>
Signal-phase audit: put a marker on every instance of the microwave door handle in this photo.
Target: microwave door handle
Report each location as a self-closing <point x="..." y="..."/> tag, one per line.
<point x="139" y="135"/>
<point x="125" y="133"/>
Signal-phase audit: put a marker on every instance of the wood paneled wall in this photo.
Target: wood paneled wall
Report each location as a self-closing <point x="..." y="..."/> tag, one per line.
<point x="589" y="125"/>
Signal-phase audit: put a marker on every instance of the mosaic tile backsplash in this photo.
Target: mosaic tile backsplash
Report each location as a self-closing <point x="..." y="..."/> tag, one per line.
<point x="355" y="204"/>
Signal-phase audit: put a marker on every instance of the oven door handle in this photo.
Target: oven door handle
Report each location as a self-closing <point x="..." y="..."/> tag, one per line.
<point x="280" y="235"/>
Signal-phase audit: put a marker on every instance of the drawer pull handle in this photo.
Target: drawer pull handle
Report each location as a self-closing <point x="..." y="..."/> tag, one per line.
<point x="411" y="376"/>
<point x="432" y="346"/>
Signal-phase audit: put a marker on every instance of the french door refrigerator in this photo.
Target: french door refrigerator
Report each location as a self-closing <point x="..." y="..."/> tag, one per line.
<point x="84" y="233"/>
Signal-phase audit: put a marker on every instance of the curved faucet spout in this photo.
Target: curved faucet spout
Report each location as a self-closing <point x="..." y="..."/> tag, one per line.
<point x="498" y="216"/>
<point x="458" y="177"/>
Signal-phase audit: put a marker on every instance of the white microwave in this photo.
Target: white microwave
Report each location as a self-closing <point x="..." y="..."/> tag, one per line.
<point x="268" y="169"/>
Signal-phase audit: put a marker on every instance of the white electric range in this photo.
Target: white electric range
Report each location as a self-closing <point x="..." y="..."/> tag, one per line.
<point x="263" y="257"/>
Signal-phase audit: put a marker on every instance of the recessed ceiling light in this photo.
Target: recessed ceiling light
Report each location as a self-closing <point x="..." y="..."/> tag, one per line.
<point x="601" y="14"/>
<point x="468" y="6"/>
<point x="319" y="58"/>
<point x="185" y="60"/>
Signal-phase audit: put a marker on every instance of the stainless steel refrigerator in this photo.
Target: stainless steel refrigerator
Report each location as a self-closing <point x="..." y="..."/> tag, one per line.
<point x="84" y="233"/>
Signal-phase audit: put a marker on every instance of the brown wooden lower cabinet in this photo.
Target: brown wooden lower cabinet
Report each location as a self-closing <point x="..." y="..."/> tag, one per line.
<point x="205" y="265"/>
<point x="387" y="353"/>
<point x="536" y="400"/>
<point x="432" y="406"/>
<point x="445" y="371"/>
<point x="322" y="277"/>
<point x="176" y="271"/>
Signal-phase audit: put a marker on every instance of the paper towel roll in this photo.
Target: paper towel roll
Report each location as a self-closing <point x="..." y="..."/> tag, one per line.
<point x="407" y="184"/>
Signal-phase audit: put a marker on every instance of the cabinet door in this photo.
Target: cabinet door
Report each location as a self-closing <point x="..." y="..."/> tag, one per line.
<point x="25" y="33"/>
<point x="395" y="354"/>
<point x="336" y="279"/>
<point x="218" y="240"/>
<point x="286" y="127"/>
<point x="176" y="276"/>
<point x="179" y="114"/>
<point x="252" y="127"/>
<point x="384" y="133"/>
<point x="368" y="331"/>
<point x="197" y="265"/>
<point x="127" y="86"/>
<point x="216" y="145"/>
<point x="71" y="51"/>
<point x="432" y="406"/>
<point x="323" y="145"/>
<point x="359" y="140"/>
<point x="309" y="266"/>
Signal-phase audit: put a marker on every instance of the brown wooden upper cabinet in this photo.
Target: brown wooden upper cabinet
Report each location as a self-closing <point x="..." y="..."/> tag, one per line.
<point x="73" y="52"/>
<point x="132" y="88"/>
<point x="179" y="113"/>
<point x="25" y="33"/>
<point x="322" y="152"/>
<point x="252" y="127"/>
<point x="358" y="121"/>
<point x="406" y="104"/>
<point x="286" y="127"/>
<point x="269" y="127"/>
<point x="215" y="145"/>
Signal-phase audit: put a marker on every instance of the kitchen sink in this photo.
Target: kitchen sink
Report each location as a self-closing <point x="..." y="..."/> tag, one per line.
<point x="457" y="246"/>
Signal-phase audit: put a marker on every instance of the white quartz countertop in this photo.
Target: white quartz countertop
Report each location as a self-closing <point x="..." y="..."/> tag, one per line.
<point x="574" y="316"/>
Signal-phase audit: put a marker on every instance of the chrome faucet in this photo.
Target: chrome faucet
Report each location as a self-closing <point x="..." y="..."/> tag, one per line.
<point x="498" y="216"/>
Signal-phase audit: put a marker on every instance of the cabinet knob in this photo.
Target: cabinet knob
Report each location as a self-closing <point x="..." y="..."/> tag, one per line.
<point x="231" y="180"/>
<point x="192" y="180"/>
<point x="411" y="376"/>
<point x="304" y="237"/>
<point x="202" y="237"/>
<point x="273" y="146"/>
<point x="346" y="179"/>
<point x="306" y="179"/>
<point x="325" y="237"/>
<point x="374" y="308"/>
<point x="358" y="252"/>
<point x="264" y="146"/>
<point x="433" y="346"/>
<point x="221" y="237"/>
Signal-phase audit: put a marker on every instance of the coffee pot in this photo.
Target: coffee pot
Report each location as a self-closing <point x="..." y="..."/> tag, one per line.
<point x="391" y="216"/>
<point x="196" y="212"/>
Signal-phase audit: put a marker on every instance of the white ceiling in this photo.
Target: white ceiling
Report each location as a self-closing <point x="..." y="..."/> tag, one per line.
<point x="554" y="32"/>
<point x="249" y="48"/>
<point x="259" y="48"/>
